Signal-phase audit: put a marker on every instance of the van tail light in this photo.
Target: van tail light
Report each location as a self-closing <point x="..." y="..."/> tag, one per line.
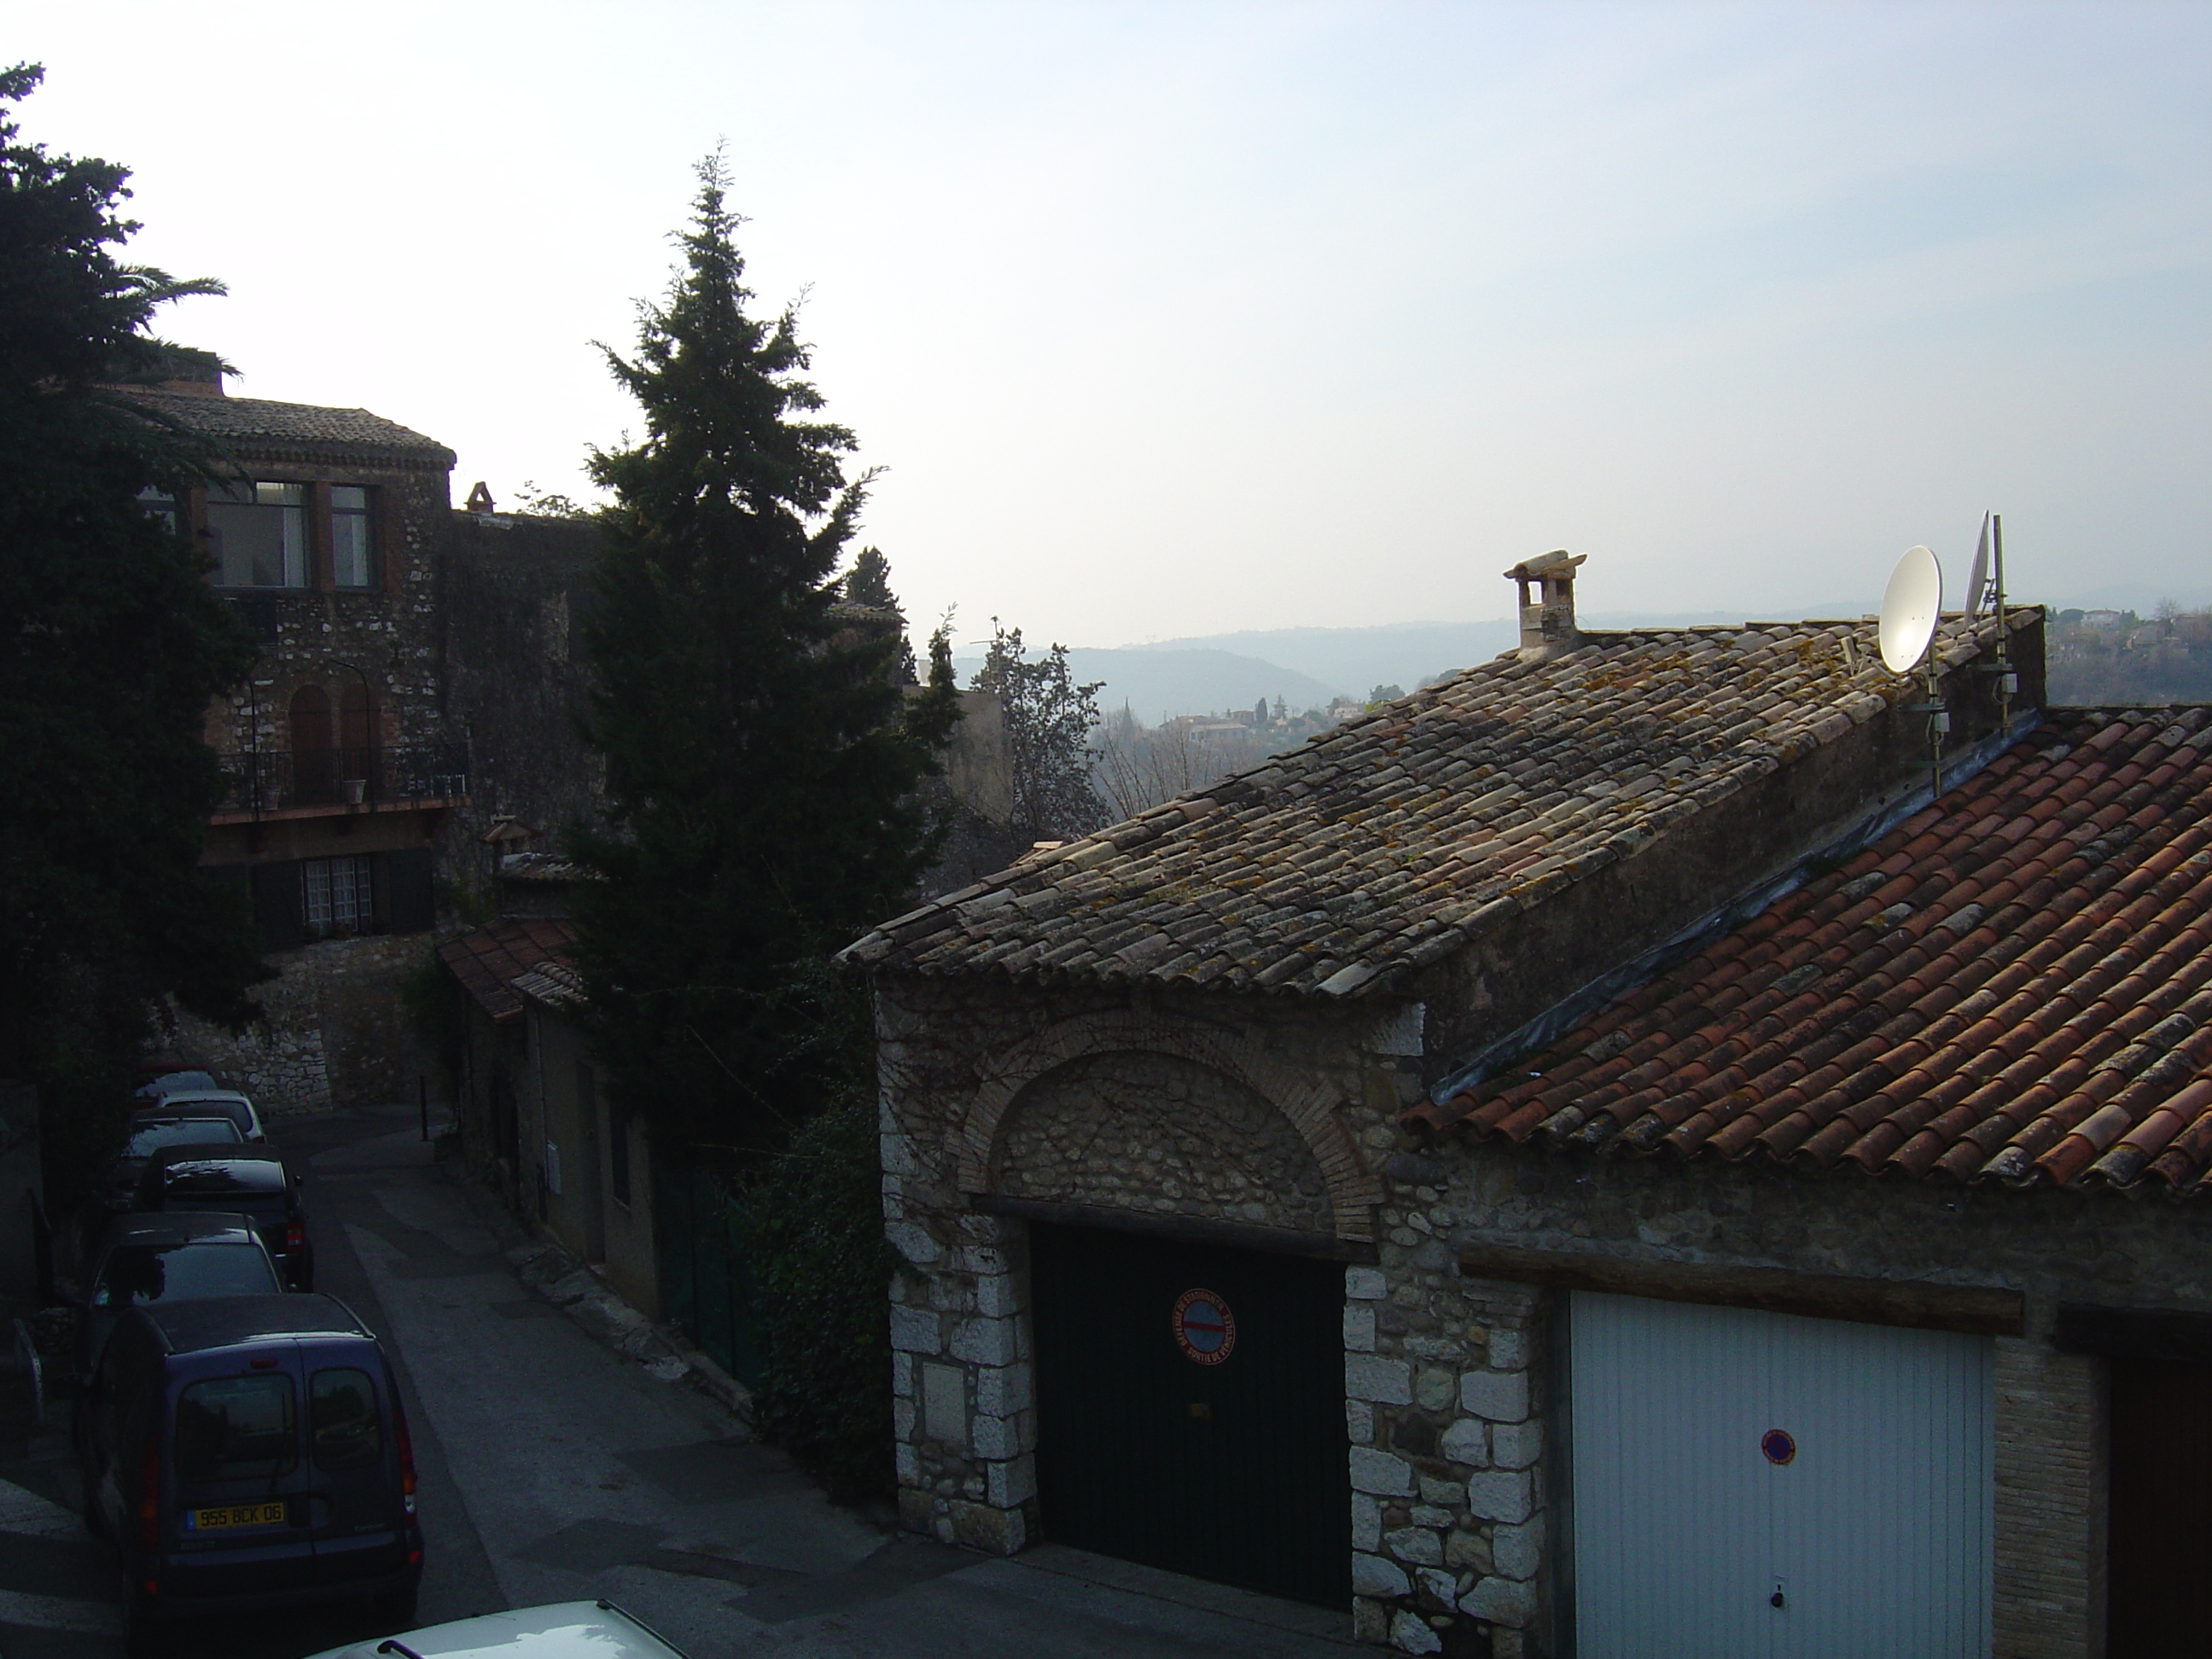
<point x="149" y="1494"/>
<point x="406" y="1445"/>
<point x="295" y="1235"/>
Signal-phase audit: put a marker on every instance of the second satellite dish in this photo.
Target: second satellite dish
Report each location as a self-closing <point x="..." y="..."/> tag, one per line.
<point x="1910" y="607"/>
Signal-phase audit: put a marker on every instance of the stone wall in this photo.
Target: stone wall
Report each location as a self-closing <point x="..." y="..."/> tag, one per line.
<point x="1157" y="1134"/>
<point x="332" y="1035"/>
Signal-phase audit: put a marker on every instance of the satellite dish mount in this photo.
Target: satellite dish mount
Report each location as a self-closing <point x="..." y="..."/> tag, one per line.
<point x="1911" y="607"/>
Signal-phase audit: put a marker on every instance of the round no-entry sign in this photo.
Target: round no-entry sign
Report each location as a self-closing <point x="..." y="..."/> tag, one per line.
<point x="1205" y="1329"/>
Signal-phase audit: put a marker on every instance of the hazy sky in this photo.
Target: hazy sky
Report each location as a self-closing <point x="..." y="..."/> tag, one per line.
<point x="1178" y="319"/>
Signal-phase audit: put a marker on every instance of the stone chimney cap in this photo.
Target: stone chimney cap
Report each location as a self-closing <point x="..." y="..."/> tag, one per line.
<point x="1558" y="558"/>
<point x="479" y="498"/>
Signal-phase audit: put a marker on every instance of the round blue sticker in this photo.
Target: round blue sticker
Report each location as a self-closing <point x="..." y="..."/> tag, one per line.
<point x="1777" y="1446"/>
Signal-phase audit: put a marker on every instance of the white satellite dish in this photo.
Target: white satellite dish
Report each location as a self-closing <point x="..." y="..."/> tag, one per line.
<point x="1910" y="607"/>
<point x="1978" y="578"/>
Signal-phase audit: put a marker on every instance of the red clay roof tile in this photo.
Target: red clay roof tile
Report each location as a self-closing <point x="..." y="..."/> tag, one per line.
<point x="2014" y="984"/>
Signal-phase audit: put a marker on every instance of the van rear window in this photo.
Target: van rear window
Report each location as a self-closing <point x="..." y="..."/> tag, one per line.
<point x="236" y="1428"/>
<point x="341" y="1416"/>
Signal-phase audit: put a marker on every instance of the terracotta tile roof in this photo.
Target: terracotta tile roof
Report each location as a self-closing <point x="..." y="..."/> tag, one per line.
<point x="2013" y="984"/>
<point x="257" y="422"/>
<point x="490" y="960"/>
<point x="1390" y="842"/>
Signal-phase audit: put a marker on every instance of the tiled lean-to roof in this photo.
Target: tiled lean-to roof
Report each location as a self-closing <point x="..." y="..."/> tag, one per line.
<point x="494" y="962"/>
<point x="257" y="422"/>
<point x="2013" y="984"/>
<point x="1391" y="841"/>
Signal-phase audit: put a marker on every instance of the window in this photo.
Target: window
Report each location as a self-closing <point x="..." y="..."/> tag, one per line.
<point x="236" y="1428"/>
<point x="136" y="1274"/>
<point x="342" y="1420"/>
<point x="161" y="505"/>
<point x="335" y="896"/>
<point x="260" y="534"/>
<point x="351" y="564"/>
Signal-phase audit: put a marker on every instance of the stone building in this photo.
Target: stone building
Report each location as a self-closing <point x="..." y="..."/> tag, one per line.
<point x="1243" y="1241"/>
<point x="340" y="767"/>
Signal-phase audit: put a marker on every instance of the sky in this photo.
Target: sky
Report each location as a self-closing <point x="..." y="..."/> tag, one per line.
<point x="1185" y="318"/>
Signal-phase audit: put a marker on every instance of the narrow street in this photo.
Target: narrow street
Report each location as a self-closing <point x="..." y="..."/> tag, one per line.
<point x="553" y="1469"/>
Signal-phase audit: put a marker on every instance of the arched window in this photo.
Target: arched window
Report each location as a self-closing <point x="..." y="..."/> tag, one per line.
<point x="314" y="769"/>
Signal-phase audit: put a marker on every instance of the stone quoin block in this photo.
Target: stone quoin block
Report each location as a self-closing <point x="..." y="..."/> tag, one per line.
<point x="1365" y="1284"/>
<point x="1500" y="1495"/>
<point x="1372" y="1378"/>
<point x="1373" y="1576"/>
<point x="1516" y="1445"/>
<point x="1003" y="1390"/>
<point x="1500" y="1396"/>
<point x="1360" y="1329"/>
<point x="995" y="1437"/>
<point x="1366" y="1523"/>
<point x="994" y="1295"/>
<point x="1011" y="1482"/>
<point x="914" y="1330"/>
<point x="1517" y="1551"/>
<point x="1501" y="1600"/>
<point x="986" y="1341"/>
<point x="1381" y="1474"/>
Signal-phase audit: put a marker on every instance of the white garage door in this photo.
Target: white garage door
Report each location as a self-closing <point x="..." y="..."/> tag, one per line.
<point x="1723" y="1458"/>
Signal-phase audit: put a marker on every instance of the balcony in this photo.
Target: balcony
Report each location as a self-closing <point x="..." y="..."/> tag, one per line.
<point x="260" y="783"/>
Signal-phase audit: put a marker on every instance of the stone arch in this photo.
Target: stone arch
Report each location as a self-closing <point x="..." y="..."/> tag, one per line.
<point x="1309" y="1105"/>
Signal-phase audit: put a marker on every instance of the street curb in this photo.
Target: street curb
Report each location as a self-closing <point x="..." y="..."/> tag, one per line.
<point x="547" y="1269"/>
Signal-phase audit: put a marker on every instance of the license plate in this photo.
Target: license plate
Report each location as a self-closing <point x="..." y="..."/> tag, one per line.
<point x="235" y="1515"/>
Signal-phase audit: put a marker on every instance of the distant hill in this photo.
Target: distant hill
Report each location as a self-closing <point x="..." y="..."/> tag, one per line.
<point x="1158" y="685"/>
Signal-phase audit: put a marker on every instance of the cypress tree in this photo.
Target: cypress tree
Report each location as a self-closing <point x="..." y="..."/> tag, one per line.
<point x="763" y="763"/>
<point x="114" y="646"/>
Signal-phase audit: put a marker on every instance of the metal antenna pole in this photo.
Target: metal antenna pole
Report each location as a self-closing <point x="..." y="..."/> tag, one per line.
<point x="2005" y="676"/>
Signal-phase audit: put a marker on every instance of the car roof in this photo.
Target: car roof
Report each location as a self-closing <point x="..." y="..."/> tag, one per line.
<point x="216" y="1152"/>
<point x="234" y="1321"/>
<point x="560" y="1630"/>
<point x="180" y="1226"/>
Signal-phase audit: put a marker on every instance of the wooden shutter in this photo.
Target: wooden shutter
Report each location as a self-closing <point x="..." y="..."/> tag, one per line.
<point x="278" y="906"/>
<point x="409" y="897"/>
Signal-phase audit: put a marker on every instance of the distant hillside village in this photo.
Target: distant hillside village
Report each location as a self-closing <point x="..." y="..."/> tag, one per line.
<point x="2118" y="657"/>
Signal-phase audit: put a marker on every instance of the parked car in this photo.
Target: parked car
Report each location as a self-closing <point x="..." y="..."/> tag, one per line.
<point x="149" y="1134"/>
<point x="250" y="1181"/>
<point x="155" y="1088"/>
<point x="211" y="1101"/>
<point x="250" y="1452"/>
<point x="176" y="1256"/>
<point x="560" y="1630"/>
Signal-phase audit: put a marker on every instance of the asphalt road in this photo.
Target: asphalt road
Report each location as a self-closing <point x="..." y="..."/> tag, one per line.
<point x="553" y="1469"/>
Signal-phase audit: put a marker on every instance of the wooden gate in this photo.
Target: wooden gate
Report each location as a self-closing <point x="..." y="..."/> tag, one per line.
<point x="1202" y="1433"/>
<point x="2161" y="1508"/>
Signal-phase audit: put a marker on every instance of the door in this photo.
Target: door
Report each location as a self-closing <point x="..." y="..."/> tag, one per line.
<point x="1754" y="1484"/>
<point x="2161" y="1516"/>
<point x="1190" y="1409"/>
<point x="357" y="1525"/>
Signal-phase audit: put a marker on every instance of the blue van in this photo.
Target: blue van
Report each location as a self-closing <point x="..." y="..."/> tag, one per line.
<point x="251" y="1452"/>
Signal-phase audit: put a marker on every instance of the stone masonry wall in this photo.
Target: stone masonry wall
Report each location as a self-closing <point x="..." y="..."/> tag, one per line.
<point x="1155" y="1132"/>
<point x="2050" y="1503"/>
<point x="333" y="1035"/>
<point x="963" y="1377"/>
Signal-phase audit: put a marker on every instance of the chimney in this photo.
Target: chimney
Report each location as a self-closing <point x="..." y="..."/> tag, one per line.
<point x="479" y="498"/>
<point x="1548" y="627"/>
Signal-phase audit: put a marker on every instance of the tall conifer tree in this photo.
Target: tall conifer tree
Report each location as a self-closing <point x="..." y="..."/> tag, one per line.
<point x="762" y="762"/>
<point x="113" y="645"/>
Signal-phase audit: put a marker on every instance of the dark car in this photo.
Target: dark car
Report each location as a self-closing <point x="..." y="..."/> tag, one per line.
<point x="210" y="1102"/>
<point x="149" y="1133"/>
<point x="250" y="1181"/>
<point x="250" y="1452"/>
<point x="155" y="1088"/>
<point x="176" y="1256"/>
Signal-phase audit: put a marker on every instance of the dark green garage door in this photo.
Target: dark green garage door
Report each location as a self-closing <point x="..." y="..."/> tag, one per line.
<point x="1204" y="1444"/>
